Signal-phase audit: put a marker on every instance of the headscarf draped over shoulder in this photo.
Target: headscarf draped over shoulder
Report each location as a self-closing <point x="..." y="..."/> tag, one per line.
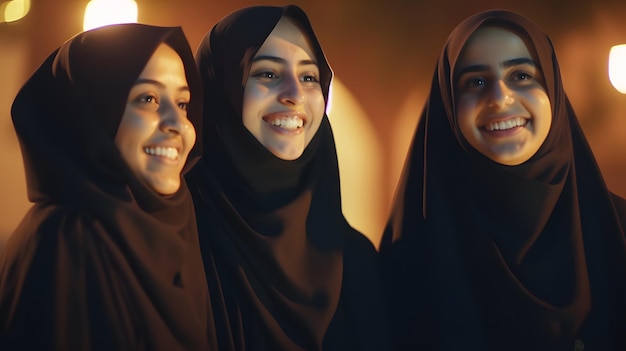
<point x="272" y="230"/>
<point x="101" y="261"/>
<point x="528" y="256"/>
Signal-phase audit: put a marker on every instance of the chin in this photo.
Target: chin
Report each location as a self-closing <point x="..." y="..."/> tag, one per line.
<point x="165" y="188"/>
<point x="287" y="155"/>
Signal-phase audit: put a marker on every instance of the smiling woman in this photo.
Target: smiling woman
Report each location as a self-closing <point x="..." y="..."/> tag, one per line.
<point x="503" y="234"/>
<point x="502" y="107"/>
<point x="285" y="269"/>
<point x="155" y="136"/>
<point x="103" y="260"/>
<point x="283" y="102"/>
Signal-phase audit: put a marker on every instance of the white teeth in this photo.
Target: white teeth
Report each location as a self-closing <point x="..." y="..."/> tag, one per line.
<point x="288" y="123"/>
<point x="167" y="152"/>
<point x="508" y="124"/>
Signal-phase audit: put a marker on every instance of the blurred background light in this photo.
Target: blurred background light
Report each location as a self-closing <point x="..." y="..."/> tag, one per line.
<point x="617" y="67"/>
<point x="104" y="12"/>
<point x="14" y="10"/>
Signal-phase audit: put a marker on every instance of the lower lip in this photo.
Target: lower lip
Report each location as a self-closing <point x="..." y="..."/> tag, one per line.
<point x="162" y="159"/>
<point x="503" y="133"/>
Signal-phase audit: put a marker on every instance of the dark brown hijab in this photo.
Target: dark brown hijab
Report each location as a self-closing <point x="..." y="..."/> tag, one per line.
<point x="272" y="232"/>
<point x="101" y="261"/>
<point x="484" y="256"/>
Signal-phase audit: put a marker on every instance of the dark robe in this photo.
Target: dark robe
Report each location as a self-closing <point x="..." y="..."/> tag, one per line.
<point x="101" y="261"/>
<point x="483" y="256"/>
<point x="285" y="269"/>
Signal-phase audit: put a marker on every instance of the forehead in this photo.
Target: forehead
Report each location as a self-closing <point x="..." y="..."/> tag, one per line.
<point x="164" y="58"/>
<point x="288" y="32"/>
<point x="492" y="45"/>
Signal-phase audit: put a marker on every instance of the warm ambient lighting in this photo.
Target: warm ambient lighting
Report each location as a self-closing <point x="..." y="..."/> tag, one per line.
<point x="617" y="67"/>
<point x="104" y="12"/>
<point x="14" y="10"/>
<point x="329" y="103"/>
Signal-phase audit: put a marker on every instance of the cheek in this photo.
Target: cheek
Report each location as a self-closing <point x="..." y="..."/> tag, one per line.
<point x="316" y="104"/>
<point x="251" y="106"/>
<point x="127" y="132"/>
<point x="190" y="136"/>
<point x="316" y="108"/>
<point x="465" y="118"/>
<point x="541" y="109"/>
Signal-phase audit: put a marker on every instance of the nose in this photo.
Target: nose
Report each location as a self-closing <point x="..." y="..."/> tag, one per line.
<point x="174" y="119"/>
<point x="500" y="95"/>
<point x="291" y="93"/>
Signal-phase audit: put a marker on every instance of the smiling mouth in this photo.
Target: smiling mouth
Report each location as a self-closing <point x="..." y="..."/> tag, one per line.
<point x="170" y="153"/>
<point x="289" y="123"/>
<point x="505" y="124"/>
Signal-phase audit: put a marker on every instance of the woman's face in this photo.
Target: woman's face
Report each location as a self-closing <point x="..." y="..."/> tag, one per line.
<point x="155" y="136"/>
<point x="502" y="107"/>
<point x="283" y="103"/>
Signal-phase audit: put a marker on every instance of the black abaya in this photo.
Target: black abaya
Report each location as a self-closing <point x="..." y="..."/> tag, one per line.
<point x="286" y="270"/>
<point x="101" y="261"/>
<point x="483" y="256"/>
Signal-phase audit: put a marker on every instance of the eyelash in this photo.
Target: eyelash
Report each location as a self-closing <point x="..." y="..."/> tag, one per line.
<point x="527" y="75"/>
<point x="479" y="82"/>
<point x="308" y="78"/>
<point x="149" y="99"/>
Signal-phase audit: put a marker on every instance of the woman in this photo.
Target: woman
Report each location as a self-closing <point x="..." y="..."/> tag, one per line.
<point x="108" y="257"/>
<point x="285" y="269"/>
<point x="504" y="235"/>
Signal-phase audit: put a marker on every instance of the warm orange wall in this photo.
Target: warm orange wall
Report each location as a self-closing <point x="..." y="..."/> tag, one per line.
<point x="382" y="52"/>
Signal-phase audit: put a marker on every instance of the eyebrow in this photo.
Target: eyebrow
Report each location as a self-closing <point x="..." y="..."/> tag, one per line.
<point x="157" y="83"/>
<point x="281" y="60"/>
<point x="505" y="64"/>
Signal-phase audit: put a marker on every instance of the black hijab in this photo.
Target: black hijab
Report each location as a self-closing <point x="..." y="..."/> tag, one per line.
<point x="504" y="257"/>
<point x="272" y="230"/>
<point x="101" y="261"/>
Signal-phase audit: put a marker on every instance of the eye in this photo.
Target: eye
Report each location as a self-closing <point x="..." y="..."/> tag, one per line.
<point x="468" y="84"/>
<point x="522" y="76"/>
<point x="268" y="75"/>
<point x="183" y="105"/>
<point x="265" y="75"/>
<point x="309" y="78"/>
<point x="476" y="83"/>
<point x="148" y="99"/>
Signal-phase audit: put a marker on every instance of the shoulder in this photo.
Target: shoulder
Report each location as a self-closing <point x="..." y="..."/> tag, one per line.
<point x="45" y="233"/>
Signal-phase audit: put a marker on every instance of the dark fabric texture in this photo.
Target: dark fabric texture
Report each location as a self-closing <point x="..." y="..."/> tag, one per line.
<point x="285" y="269"/>
<point x="482" y="256"/>
<point x="101" y="261"/>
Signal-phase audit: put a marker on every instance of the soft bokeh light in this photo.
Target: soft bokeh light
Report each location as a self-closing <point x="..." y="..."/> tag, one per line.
<point x="361" y="165"/>
<point x="14" y="10"/>
<point x="617" y="67"/>
<point x="104" y="12"/>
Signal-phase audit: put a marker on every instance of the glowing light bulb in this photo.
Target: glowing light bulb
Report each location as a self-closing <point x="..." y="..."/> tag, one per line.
<point x="14" y="10"/>
<point x="617" y="67"/>
<point x="100" y="13"/>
